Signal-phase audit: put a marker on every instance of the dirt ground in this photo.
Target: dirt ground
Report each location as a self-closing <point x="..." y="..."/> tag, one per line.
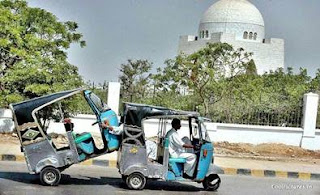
<point x="270" y="152"/>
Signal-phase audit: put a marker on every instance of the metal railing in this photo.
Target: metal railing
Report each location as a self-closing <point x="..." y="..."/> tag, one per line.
<point x="266" y="117"/>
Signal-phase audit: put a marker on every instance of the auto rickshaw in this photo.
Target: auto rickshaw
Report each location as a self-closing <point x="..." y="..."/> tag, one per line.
<point x="132" y="159"/>
<point x="31" y="120"/>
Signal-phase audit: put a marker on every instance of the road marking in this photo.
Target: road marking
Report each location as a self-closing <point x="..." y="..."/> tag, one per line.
<point x="282" y="174"/>
<point x="257" y="173"/>
<point x="20" y="158"/>
<point x="230" y="171"/>
<point x="112" y="163"/>
<point x="305" y="176"/>
<point x="87" y="162"/>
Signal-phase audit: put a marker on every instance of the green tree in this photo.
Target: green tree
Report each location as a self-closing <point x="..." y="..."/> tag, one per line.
<point x="274" y="98"/>
<point x="315" y="83"/>
<point x="202" y="71"/>
<point x="33" y="57"/>
<point x="135" y="80"/>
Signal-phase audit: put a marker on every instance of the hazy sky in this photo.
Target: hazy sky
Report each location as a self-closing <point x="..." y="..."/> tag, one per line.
<point x="116" y="30"/>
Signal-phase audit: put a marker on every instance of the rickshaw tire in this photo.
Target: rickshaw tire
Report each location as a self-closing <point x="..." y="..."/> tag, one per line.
<point x="207" y="182"/>
<point x="50" y="176"/>
<point x="135" y="177"/>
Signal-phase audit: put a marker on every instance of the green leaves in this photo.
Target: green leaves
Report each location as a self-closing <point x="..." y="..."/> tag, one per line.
<point x="33" y="45"/>
<point x="135" y="80"/>
<point x="223" y="84"/>
<point x="201" y="72"/>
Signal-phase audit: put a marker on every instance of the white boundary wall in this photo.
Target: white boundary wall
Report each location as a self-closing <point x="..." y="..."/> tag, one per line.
<point x="255" y="134"/>
<point x="218" y="132"/>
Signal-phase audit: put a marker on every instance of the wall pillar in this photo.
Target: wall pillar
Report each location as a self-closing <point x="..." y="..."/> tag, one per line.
<point x="6" y="123"/>
<point x="114" y="96"/>
<point x="310" y="111"/>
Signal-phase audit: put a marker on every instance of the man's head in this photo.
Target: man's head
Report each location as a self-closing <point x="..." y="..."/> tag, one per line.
<point x="176" y="124"/>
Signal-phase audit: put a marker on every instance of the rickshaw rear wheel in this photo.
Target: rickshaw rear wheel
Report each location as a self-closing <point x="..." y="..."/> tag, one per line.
<point x="212" y="182"/>
<point x="136" y="181"/>
<point x="50" y="176"/>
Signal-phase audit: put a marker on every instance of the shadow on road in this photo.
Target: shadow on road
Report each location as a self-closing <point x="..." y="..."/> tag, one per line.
<point x="66" y="180"/>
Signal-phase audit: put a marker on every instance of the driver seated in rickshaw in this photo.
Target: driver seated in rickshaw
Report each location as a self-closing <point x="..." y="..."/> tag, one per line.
<point x="177" y="148"/>
<point x="151" y="146"/>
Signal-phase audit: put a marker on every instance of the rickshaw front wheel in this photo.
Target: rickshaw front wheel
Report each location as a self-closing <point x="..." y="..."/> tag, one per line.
<point x="136" y="181"/>
<point x="50" y="176"/>
<point x="212" y="182"/>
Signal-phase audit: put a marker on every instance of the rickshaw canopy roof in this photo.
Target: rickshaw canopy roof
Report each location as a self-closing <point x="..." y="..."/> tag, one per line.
<point x="23" y="110"/>
<point x="135" y="113"/>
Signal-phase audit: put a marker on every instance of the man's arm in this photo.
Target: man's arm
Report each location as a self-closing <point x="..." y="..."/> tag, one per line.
<point x="178" y="140"/>
<point x="116" y="130"/>
<point x="187" y="146"/>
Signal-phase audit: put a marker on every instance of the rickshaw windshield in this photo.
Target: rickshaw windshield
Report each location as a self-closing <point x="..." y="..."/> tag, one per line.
<point x="204" y="132"/>
<point x="100" y="105"/>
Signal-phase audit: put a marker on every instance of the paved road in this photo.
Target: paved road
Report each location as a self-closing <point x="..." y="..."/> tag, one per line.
<point x="14" y="179"/>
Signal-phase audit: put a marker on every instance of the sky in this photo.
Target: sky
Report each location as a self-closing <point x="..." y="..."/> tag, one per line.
<point x="116" y="31"/>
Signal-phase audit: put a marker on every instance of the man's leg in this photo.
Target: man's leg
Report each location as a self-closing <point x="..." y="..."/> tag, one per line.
<point x="190" y="165"/>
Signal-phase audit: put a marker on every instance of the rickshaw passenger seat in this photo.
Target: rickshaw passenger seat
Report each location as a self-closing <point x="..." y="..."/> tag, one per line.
<point x="83" y="137"/>
<point x="176" y="165"/>
<point x="85" y="142"/>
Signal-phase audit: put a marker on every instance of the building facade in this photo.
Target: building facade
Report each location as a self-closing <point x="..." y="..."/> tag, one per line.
<point x="239" y="23"/>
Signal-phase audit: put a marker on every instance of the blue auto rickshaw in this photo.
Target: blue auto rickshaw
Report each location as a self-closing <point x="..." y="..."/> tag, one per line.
<point x="133" y="164"/>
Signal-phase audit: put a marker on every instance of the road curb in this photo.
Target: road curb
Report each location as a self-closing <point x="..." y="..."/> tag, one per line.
<point x="220" y="170"/>
<point x="270" y="173"/>
<point x="21" y="158"/>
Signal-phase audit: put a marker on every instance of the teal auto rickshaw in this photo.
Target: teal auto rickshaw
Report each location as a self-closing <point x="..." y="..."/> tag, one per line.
<point x="43" y="157"/>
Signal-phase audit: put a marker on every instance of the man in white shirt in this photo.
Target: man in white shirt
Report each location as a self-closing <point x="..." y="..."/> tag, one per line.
<point x="177" y="148"/>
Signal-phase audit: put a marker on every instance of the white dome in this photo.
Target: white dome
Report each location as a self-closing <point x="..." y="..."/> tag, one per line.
<point x="233" y="11"/>
<point x="237" y="17"/>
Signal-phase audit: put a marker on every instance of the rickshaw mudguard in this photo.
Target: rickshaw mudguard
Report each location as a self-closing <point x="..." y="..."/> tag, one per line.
<point x="141" y="168"/>
<point x="205" y="160"/>
<point x="47" y="162"/>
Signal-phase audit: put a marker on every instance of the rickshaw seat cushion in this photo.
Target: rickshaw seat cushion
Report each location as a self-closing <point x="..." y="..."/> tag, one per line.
<point x="87" y="148"/>
<point x="82" y="137"/>
<point x="177" y="160"/>
<point x="176" y="165"/>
